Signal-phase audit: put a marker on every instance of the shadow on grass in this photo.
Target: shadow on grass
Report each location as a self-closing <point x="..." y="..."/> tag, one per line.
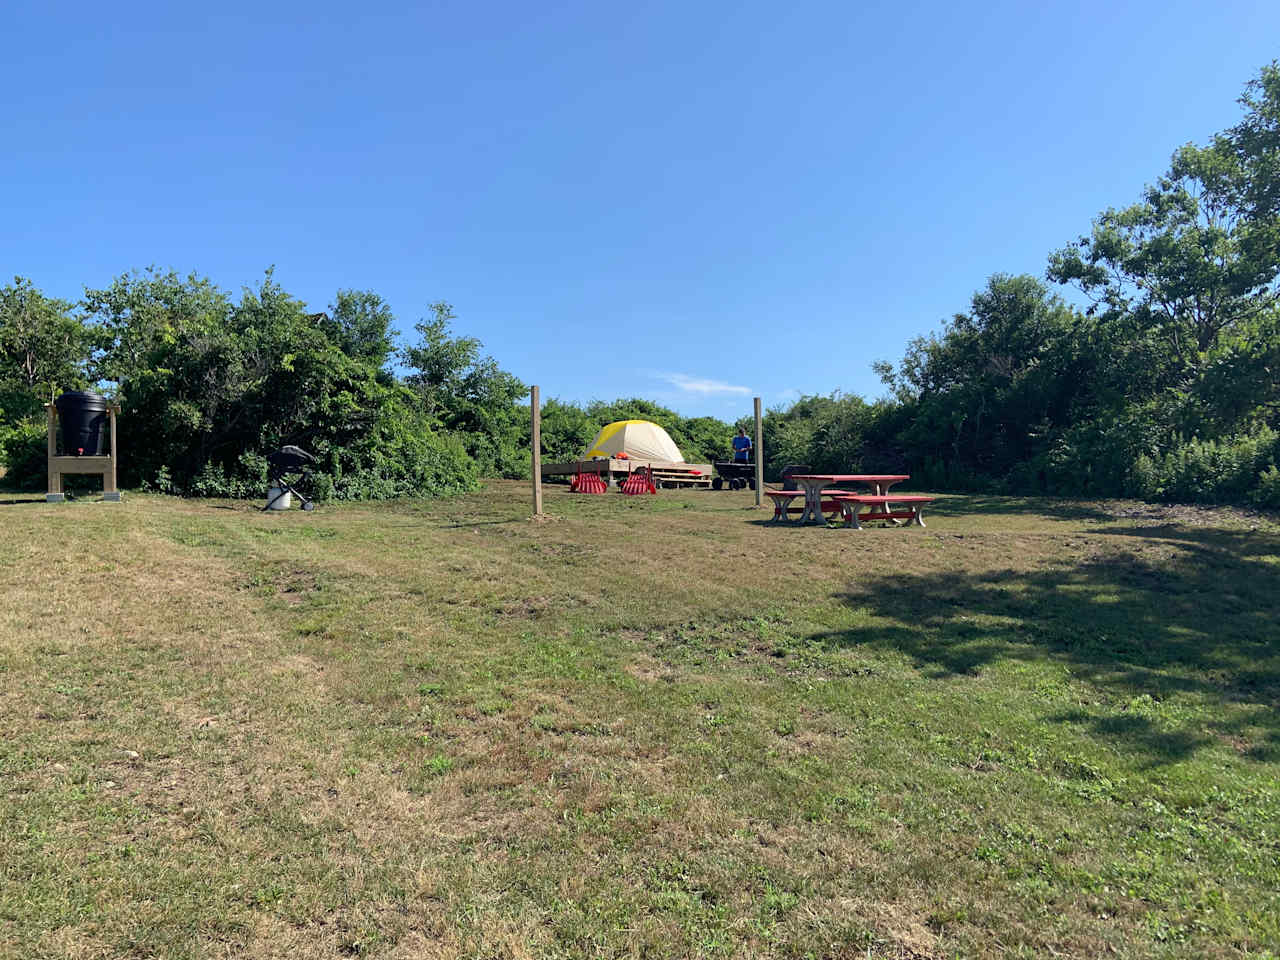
<point x="1212" y="546"/>
<point x="984" y="505"/>
<point x="460" y="524"/>
<point x="1191" y="617"/>
<point x="21" y="500"/>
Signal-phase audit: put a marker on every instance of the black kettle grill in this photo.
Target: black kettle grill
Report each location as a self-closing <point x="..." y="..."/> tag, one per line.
<point x="285" y="468"/>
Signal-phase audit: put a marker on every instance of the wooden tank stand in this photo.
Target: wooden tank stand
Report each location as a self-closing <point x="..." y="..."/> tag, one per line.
<point x="105" y="465"/>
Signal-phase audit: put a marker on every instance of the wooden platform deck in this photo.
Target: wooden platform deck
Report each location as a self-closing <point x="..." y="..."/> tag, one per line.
<point x="665" y="473"/>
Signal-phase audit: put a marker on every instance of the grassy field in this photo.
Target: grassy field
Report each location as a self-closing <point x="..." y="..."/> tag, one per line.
<point x="644" y="727"/>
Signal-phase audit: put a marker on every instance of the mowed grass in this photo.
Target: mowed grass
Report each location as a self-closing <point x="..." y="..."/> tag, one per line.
<point x="645" y="727"/>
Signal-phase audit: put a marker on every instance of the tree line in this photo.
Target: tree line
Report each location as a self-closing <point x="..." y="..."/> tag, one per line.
<point x="210" y="383"/>
<point x="1164" y="384"/>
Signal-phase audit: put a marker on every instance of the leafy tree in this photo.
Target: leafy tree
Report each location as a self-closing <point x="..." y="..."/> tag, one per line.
<point x="463" y="392"/>
<point x="43" y="349"/>
<point x="440" y="364"/>
<point x="566" y="430"/>
<point x="1184" y="287"/>
<point x="1239" y="385"/>
<point x="827" y="433"/>
<point x="1199" y="254"/>
<point x="140" y="315"/>
<point x="359" y="323"/>
<point x="989" y="395"/>
<point x="706" y="439"/>
<point x="1254" y="145"/>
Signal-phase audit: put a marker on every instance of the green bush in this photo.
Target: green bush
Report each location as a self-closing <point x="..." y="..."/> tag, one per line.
<point x="23" y="452"/>
<point x="566" y="430"/>
<point x="1208" y="471"/>
<point x="1267" y="492"/>
<point x="401" y="457"/>
<point x="210" y="387"/>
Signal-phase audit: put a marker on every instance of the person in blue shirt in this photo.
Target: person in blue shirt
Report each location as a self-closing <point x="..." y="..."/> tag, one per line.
<point x="741" y="447"/>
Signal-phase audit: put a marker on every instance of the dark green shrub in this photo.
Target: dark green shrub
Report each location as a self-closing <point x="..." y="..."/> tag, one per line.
<point x="1267" y="492"/>
<point x="209" y="388"/>
<point x="23" y="452"/>
<point x="1226" y="470"/>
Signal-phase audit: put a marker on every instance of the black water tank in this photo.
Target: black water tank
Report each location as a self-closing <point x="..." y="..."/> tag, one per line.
<point x="83" y="414"/>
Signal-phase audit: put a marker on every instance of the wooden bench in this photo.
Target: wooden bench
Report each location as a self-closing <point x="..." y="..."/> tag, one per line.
<point x="782" y="504"/>
<point x="851" y="502"/>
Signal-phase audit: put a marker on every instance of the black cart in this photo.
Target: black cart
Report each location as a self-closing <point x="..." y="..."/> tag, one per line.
<point x="735" y="474"/>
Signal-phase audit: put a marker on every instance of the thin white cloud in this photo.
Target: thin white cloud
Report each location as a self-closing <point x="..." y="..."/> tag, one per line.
<point x="702" y="385"/>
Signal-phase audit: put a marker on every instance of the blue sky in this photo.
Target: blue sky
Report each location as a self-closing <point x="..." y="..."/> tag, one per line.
<point x="690" y="202"/>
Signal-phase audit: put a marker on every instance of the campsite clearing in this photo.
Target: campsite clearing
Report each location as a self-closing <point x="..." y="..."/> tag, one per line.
<point x="649" y="726"/>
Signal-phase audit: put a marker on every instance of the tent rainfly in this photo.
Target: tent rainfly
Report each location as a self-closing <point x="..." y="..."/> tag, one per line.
<point x="638" y="439"/>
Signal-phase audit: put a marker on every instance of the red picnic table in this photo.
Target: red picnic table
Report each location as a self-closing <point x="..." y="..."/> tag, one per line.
<point x="814" y="483"/>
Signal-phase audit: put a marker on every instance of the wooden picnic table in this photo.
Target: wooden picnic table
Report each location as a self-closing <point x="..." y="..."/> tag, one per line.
<point x="815" y="483"/>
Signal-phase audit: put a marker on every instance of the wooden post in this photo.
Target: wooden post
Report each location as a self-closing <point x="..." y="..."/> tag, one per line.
<point x="54" y="492"/>
<point x="759" y="451"/>
<point x="109" y="489"/>
<point x="535" y="411"/>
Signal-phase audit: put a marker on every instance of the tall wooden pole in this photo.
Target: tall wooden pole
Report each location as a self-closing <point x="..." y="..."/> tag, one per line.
<point x="109" y="489"/>
<point x="535" y="409"/>
<point x="759" y="449"/>
<point x="54" y="494"/>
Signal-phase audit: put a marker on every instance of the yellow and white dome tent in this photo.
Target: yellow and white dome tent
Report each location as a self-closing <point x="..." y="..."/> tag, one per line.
<point x="638" y="439"/>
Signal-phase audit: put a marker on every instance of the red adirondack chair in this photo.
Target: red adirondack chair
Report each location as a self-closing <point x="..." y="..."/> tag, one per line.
<point x="587" y="481"/>
<point x="639" y="482"/>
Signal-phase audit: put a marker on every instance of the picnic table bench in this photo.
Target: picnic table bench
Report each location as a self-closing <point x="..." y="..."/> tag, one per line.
<point x="851" y="504"/>
<point x="782" y="504"/>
